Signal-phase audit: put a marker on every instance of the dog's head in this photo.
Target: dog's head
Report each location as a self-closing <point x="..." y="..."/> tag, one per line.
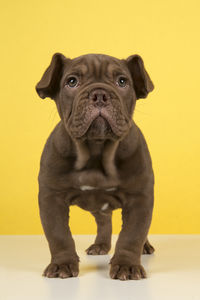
<point x="95" y="94"/>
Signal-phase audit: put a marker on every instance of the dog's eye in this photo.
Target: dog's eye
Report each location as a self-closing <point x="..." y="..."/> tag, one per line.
<point x="122" y="81"/>
<point x="72" y="81"/>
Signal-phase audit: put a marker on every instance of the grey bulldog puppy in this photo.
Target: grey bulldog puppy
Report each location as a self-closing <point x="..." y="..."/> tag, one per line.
<point x="96" y="158"/>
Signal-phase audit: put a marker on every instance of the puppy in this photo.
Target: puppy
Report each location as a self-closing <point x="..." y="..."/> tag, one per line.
<point x="96" y="158"/>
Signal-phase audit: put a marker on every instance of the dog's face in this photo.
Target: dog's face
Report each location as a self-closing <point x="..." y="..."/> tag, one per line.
<point x="95" y="94"/>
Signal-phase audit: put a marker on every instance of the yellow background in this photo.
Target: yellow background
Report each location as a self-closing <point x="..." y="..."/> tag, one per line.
<point x="166" y="35"/>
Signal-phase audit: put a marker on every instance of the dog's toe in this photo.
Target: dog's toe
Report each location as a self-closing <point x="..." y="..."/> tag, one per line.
<point x="126" y="272"/>
<point x="148" y="248"/>
<point x="64" y="270"/>
<point x="98" y="249"/>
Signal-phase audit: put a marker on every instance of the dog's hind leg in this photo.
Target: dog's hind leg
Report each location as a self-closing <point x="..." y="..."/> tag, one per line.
<point x="102" y="242"/>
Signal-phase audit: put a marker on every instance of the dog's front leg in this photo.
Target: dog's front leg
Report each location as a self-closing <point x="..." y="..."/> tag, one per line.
<point x="136" y="217"/>
<point x="54" y="213"/>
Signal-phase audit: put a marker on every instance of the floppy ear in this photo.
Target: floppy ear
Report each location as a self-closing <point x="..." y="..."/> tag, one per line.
<point x="141" y="80"/>
<point x="48" y="86"/>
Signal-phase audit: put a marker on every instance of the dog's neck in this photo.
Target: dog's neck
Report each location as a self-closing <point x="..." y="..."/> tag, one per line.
<point x="95" y="148"/>
<point x="105" y="150"/>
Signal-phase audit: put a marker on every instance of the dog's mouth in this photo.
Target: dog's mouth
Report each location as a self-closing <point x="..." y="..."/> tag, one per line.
<point x="97" y="125"/>
<point x="88" y="121"/>
<point x="99" y="129"/>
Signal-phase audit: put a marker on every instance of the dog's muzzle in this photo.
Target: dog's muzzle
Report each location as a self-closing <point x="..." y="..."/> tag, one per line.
<point x="100" y="97"/>
<point x="98" y="112"/>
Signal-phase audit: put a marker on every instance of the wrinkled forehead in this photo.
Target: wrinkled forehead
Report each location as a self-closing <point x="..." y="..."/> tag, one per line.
<point x="97" y="65"/>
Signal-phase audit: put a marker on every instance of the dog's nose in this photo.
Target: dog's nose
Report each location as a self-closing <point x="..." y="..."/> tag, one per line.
<point x="99" y="96"/>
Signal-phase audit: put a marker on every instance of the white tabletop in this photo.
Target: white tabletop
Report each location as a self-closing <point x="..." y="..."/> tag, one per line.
<point x="173" y="271"/>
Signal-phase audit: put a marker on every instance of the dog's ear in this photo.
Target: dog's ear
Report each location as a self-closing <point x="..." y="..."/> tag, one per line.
<point x="48" y="86"/>
<point x="141" y="80"/>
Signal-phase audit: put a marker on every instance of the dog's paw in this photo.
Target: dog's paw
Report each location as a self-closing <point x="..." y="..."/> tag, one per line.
<point x="98" y="249"/>
<point x="148" y="248"/>
<point x="126" y="272"/>
<point x="64" y="270"/>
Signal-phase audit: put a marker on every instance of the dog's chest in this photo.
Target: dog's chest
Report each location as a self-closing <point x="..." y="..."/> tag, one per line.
<point x="94" y="179"/>
<point x="95" y="191"/>
<point x="96" y="200"/>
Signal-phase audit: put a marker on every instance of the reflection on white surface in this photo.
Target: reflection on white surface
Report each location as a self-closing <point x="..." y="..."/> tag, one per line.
<point x="173" y="271"/>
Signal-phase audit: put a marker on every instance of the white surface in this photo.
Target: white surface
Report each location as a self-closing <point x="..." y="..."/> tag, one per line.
<point x="173" y="271"/>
